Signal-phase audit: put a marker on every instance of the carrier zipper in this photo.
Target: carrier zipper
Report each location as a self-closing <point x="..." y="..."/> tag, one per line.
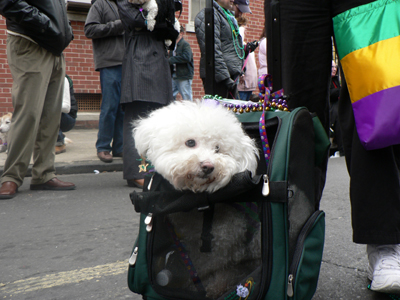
<point x="265" y="187"/>
<point x="266" y="273"/>
<point x="290" y="286"/>
<point x="149" y="222"/>
<point x="299" y="251"/>
<point x="132" y="259"/>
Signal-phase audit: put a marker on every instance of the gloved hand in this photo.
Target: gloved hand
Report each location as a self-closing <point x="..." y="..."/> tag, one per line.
<point x="230" y="84"/>
<point x="250" y="47"/>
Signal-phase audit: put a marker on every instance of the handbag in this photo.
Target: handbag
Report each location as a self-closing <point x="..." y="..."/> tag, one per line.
<point x="66" y="103"/>
<point x="368" y="46"/>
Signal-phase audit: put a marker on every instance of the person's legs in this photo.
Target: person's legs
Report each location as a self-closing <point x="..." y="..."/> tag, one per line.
<point x="117" y="144"/>
<point x="374" y="193"/>
<point x="31" y="70"/>
<point x="43" y="168"/>
<point x="131" y="157"/>
<point x="185" y="89"/>
<point x="110" y="81"/>
<point x="66" y="124"/>
<point x="175" y="88"/>
<point x="306" y="60"/>
<point x="244" y="95"/>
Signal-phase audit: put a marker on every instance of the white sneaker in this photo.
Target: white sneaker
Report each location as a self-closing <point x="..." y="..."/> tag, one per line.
<point x="384" y="268"/>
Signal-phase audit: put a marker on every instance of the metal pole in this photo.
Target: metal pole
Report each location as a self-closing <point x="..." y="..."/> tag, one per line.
<point x="210" y="58"/>
<point x="273" y="29"/>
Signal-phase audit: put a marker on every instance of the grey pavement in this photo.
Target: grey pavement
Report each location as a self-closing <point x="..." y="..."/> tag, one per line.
<point x="88" y="234"/>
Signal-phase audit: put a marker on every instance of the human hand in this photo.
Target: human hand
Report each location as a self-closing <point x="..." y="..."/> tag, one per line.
<point x="250" y="47"/>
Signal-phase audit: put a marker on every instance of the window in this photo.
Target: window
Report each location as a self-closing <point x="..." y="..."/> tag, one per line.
<point x="194" y="7"/>
<point x="78" y="5"/>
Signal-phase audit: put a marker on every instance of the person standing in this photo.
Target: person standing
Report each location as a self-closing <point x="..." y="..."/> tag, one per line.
<point x="146" y="79"/>
<point x="248" y="81"/>
<point x="306" y="32"/>
<point x="336" y="132"/>
<point x="229" y="48"/>
<point x="181" y="61"/>
<point x="262" y="54"/>
<point x="68" y="117"/>
<point x="37" y="34"/>
<point x="105" y="28"/>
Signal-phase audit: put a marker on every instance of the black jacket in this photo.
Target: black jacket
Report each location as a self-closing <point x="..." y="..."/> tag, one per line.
<point x="335" y="89"/>
<point x="183" y="60"/>
<point x="44" y="21"/>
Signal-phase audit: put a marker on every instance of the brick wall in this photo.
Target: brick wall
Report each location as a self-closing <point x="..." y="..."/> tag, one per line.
<point x="79" y="58"/>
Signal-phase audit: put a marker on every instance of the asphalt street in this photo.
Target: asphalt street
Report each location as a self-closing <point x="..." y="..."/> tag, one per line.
<point x="76" y="244"/>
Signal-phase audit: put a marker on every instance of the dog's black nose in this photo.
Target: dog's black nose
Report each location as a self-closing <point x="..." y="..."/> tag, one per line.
<point x="207" y="167"/>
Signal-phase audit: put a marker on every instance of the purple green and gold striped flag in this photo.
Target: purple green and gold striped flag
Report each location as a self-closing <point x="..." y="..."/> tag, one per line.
<point x="368" y="45"/>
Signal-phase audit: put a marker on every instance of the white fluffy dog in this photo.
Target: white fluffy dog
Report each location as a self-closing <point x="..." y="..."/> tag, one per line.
<point x="5" y="124"/>
<point x="152" y="10"/>
<point x="199" y="147"/>
<point x="195" y="146"/>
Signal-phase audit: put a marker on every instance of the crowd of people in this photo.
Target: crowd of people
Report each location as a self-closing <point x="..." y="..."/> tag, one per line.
<point x="124" y="47"/>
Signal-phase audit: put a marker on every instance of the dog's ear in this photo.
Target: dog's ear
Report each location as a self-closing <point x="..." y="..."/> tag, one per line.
<point x="142" y="133"/>
<point x="249" y="154"/>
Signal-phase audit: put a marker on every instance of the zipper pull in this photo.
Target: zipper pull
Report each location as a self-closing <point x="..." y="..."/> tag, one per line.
<point x="150" y="183"/>
<point x="265" y="188"/>
<point x="148" y="221"/>
<point x="290" y="286"/>
<point x="132" y="259"/>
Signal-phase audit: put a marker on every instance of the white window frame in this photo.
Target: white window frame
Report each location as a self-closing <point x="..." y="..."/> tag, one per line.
<point x="190" y="25"/>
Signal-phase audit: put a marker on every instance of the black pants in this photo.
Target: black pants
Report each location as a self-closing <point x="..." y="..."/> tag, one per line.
<point x="306" y="47"/>
<point x="134" y="111"/>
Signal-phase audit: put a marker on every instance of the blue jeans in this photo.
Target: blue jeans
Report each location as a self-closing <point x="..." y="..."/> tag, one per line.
<point x="245" y="95"/>
<point x="184" y="87"/>
<point x="111" y="114"/>
<point x="66" y="124"/>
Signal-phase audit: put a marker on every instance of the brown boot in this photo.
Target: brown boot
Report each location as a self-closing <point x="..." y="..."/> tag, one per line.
<point x="8" y="190"/>
<point x="105" y="156"/>
<point x="61" y="149"/>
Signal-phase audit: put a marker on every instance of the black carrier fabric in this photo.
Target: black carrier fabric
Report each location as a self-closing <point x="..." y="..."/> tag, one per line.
<point x="204" y="246"/>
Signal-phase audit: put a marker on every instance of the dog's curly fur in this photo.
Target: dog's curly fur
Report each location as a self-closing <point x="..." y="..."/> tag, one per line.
<point x="151" y="6"/>
<point x="199" y="147"/>
<point x="195" y="146"/>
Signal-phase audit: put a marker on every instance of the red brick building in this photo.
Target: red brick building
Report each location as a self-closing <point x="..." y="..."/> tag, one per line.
<point x="79" y="58"/>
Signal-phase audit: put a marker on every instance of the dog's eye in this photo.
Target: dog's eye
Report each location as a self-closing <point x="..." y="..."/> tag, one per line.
<point x="216" y="149"/>
<point x="190" y="143"/>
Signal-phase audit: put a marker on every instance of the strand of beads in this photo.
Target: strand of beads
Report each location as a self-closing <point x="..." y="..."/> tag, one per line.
<point x="272" y="101"/>
<point x="241" y="108"/>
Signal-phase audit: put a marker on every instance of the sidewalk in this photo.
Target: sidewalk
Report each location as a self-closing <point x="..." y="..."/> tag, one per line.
<point x="81" y="155"/>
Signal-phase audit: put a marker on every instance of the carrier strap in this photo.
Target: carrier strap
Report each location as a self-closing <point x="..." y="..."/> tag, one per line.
<point x="266" y="83"/>
<point x="206" y="235"/>
<point x="250" y="211"/>
<point x="184" y="255"/>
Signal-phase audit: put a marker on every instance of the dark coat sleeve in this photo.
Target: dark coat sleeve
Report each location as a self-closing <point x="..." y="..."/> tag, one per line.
<point x="183" y="54"/>
<point x="131" y="17"/>
<point x="98" y="25"/>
